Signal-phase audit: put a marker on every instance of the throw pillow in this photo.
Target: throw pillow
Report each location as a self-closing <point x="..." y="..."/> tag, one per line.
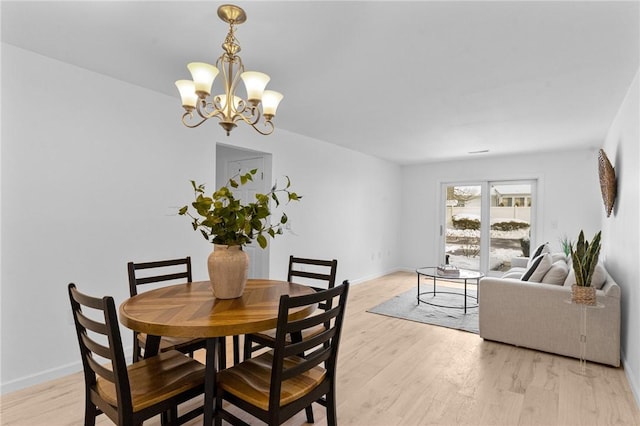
<point x="571" y="278"/>
<point x="599" y="277"/>
<point x="542" y="248"/>
<point x="557" y="273"/>
<point x="538" y="268"/>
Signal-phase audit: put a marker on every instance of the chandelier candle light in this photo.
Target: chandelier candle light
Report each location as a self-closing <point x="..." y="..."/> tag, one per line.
<point x="195" y="93"/>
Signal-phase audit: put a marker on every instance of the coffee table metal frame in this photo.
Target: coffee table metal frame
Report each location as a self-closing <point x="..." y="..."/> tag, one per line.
<point x="465" y="275"/>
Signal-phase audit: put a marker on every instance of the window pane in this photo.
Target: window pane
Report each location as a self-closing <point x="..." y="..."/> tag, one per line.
<point x="510" y="223"/>
<point x="462" y="239"/>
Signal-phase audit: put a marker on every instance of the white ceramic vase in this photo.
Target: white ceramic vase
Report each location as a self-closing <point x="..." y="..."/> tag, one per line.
<point x="228" y="271"/>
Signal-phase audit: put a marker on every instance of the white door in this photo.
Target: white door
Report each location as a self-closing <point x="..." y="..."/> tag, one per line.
<point x="258" y="257"/>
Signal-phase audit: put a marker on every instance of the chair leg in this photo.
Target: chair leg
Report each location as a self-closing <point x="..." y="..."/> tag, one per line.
<point x="90" y="413"/>
<point x="236" y="350"/>
<point x="136" y="349"/>
<point x="332" y="419"/>
<point x="218" y="405"/>
<point x="169" y="417"/>
<point x="247" y="347"/>
<point x="309" y="411"/>
<point x="222" y="353"/>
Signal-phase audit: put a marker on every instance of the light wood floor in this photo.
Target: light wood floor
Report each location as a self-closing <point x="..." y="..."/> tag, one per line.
<point x="398" y="372"/>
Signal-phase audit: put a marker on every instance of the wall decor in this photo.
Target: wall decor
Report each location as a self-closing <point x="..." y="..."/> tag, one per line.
<point x="608" y="183"/>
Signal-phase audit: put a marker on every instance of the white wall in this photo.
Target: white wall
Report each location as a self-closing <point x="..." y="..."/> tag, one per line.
<point x="93" y="170"/>
<point x="89" y="182"/>
<point x="350" y="206"/>
<point x="620" y="231"/>
<point x="568" y="197"/>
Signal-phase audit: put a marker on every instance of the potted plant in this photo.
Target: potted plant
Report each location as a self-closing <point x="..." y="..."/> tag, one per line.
<point x="565" y="243"/>
<point x="584" y="258"/>
<point x="227" y="223"/>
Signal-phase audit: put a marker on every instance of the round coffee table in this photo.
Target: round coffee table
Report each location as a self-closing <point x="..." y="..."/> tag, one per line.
<point x="463" y="275"/>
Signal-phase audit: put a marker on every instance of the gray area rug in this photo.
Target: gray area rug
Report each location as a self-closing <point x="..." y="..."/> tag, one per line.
<point x="405" y="306"/>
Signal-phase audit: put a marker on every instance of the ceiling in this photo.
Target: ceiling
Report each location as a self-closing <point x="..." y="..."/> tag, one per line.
<point x="410" y="82"/>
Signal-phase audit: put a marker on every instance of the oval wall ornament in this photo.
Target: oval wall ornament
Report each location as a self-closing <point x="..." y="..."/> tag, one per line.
<point x="608" y="184"/>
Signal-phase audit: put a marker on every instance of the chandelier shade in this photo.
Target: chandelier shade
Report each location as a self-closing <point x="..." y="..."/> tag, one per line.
<point x="187" y="89"/>
<point x="270" y="102"/>
<point x="196" y="94"/>
<point x="203" y="75"/>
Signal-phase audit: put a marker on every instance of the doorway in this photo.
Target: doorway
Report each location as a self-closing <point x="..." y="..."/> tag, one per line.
<point x="232" y="161"/>
<point x="486" y="224"/>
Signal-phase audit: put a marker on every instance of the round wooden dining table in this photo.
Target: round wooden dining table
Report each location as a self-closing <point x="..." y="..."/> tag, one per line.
<point x="191" y="310"/>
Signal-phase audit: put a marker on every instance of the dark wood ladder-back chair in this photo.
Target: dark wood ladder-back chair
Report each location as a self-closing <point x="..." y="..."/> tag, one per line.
<point x="321" y="276"/>
<point x="177" y="270"/>
<point x="128" y="395"/>
<point x="277" y="384"/>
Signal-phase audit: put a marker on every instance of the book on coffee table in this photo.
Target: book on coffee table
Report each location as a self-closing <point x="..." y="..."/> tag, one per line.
<point x="448" y="270"/>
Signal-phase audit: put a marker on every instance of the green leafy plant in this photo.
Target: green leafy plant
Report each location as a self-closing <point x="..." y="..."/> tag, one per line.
<point x="223" y="219"/>
<point x="565" y="243"/>
<point x="585" y="258"/>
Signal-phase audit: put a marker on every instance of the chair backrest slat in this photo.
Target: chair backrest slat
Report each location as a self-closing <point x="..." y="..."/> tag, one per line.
<point x="96" y="348"/>
<point x="160" y="278"/>
<point x="89" y="324"/>
<point x="101" y="371"/>
<point x="312" y="275"/>
<point x="306" y="365"/>
<point x="309" y="343"/>
<point x="161" y="263"/>
<point x="311" y="321"/>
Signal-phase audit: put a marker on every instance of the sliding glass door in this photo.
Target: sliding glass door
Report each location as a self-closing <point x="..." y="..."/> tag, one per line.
<point x="486" y="224"/>
<point x="462" y="225"/>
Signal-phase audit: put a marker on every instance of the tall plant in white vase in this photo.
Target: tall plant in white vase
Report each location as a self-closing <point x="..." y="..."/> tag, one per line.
<point x="227" y="223"/>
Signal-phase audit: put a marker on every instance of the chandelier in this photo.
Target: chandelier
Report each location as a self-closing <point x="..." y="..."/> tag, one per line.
<point x="228" y="107"/>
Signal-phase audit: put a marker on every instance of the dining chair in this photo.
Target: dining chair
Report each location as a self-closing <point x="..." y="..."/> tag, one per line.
<point x="279" y="383"/>
<point x="148" y="273"/>
<point x="318" y="274"/>
<point x="128" y="395"/>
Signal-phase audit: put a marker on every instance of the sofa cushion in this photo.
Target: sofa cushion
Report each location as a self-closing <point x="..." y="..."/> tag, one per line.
<point x="539" y="267"/>
<point x="515" y="273"/>
<point x="557" y="273"/>
<point x="555" y="257"/>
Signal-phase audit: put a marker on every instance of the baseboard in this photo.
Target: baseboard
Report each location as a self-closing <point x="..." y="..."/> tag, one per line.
<point x="632" y="378"/>
<point x="374" y="276"/>
<point x="46" y="375"/>
<point x="41" y="377"/>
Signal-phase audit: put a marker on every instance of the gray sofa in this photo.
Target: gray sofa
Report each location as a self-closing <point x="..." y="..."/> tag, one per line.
<point x="540" y="316"/>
